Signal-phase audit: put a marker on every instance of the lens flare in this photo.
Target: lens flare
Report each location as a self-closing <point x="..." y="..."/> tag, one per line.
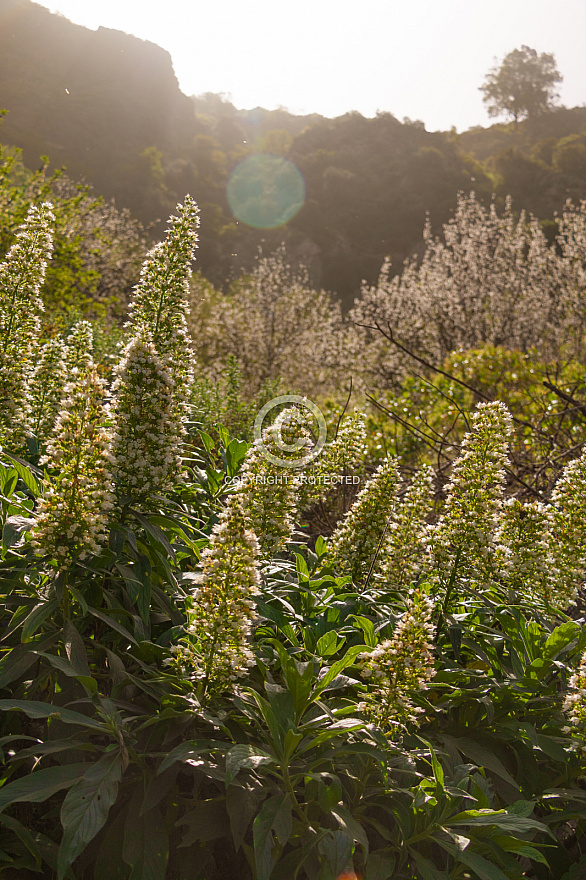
<point x="265" y="191"/>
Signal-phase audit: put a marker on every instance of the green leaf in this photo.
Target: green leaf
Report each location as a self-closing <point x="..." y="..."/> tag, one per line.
<point x="155" y="532"/>
<point x="337" y="848"/>
<point x="510" y="844"/>
<point x="75" y="649"/>
<point x="455" y="633"/>
<point x="138" y="584"/>
<point x="86" y="806"/>
<point x="16" y="661"/>
<point x="101" y="615"/>
<point x="36" y="618"/>
<point x="241" y="803"/>
<point x="158" y="788"/>
<point x="207" y="441"/>
<point x="427" y="869"/>
<point x="380" y="866"/>
<point x="437" y="768"/>
<point x="275" y="815"/>
<point x="23" y="834"/>
<point x="108" y="864"/>
<point x="367" y="626"/>
<point x="36" y="709"/>
<point x="66" y="668"/>
<point x="551" y="748"/>
<point x="54" y="746"/>
<point x="348" y="823"/>
<point x="283" y="706"/>
<point x="146" y="843"/>
<point x="188" y="752"/>
<point x="14" y="529"/>
<point x="235" y="452"/>
<point x="507" y="821"/>
<point x="290" y="866"/>
<point x="79" y="598"/>
<point x="301" y="567"/>
<point x="223" y="434"/>
<point x="484" y="869"/>
<point x="245" y="756"/>
<point x="329" y="644"/>
<point x="9" y="481"/>
<point x="481" y="756"/>
<point x="321" y="547"/>
<point x="334" y="670"/>
<point x="24" y="471"/>
<point x="207" y="821"/>
<point x="298" y="677"/>
<point x="560" y="638"/>
<point x="41" y="784"/>
<point x="343" y="725"/>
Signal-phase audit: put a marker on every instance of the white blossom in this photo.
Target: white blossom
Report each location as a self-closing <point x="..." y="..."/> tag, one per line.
<point x="354" y="544"/>
<point x="80" y="347"/>
<point x="146" y="437"/>
<point x="339" y="457"/>
<point x="77" y="501"/>
<point x="275" y="325"/>
<point x="21" y="276"/>
<point x="462" y="542"/>
<point x="404" y="548"/>
<point x="160" y="307"/>
<point x="400" y="666"/>
<point x="45" y="390"/>
<point x="222" y="610"/>
<point x="567" y="535"/>
<point x="269" y="491"/>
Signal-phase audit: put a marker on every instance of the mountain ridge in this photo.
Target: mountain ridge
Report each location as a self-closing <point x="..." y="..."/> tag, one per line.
<point x="107" y="106"/>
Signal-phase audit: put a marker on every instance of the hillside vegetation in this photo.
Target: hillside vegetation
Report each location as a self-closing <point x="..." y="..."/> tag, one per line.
<point x="107" y="106"/>
<point x="347" y="642"/>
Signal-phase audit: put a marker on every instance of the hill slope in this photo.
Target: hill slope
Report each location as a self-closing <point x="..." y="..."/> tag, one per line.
<point x="108" y="107"/>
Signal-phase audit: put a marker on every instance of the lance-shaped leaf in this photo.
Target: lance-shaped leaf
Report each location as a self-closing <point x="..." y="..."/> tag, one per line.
<point x="86" y="807"/>
<point x="40" y="785"/>
<point x="36" y="709"/>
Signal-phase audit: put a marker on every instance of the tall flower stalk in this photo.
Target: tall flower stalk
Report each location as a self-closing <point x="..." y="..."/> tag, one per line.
<point x="73" y="513"/>
<point x="400" y="666"/>
<point x="80" y="347"/>
<point x="356" y="542"/>
<point x="160" y="308"/>
<point x="145" y="451"/>
<point x="270" y="491"/>
<point x="21" y="276"/>
<point x="522" y="547"/>
<point x="46" y="390"/>
<point x="575" y="704"/>
<point x="567" y="535"/>
<point x="339" y="457"/>
<point x="462" y="542"/>
<point x="223" y="607"/>
<point x="405" y="545"/>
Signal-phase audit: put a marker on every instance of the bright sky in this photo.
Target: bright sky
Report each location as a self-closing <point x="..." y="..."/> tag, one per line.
<point x="418" y="58"/>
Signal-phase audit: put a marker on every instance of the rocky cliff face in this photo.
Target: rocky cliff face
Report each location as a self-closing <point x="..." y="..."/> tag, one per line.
<point x="91" y="100"/>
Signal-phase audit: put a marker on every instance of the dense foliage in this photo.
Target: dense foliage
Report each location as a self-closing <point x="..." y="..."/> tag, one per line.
<point x="97" y="249"/>
<point x="195" y="683"/>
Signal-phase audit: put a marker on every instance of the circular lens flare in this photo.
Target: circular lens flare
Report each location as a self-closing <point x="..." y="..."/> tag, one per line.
<point x="265" y="191"/>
